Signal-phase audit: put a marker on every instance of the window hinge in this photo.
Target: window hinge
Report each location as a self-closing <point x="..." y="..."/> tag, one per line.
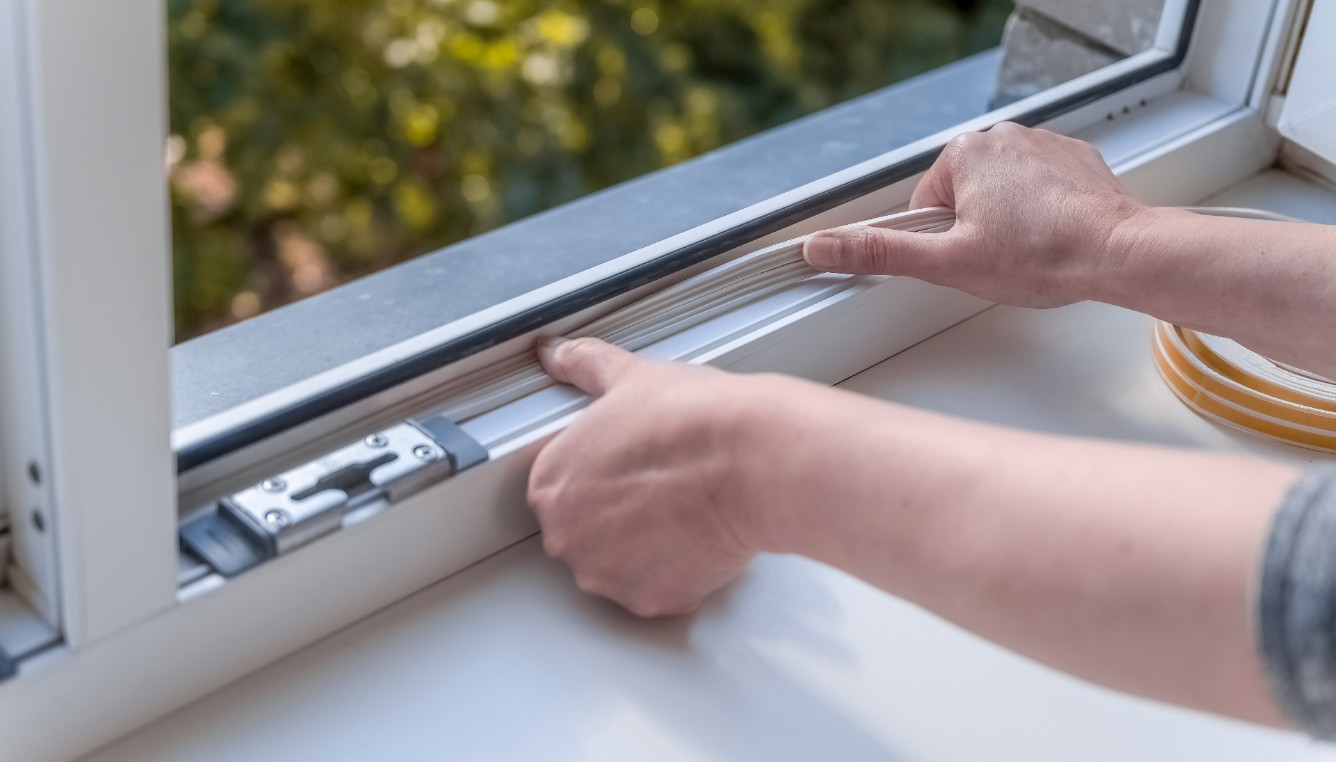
<point x="289" y="510"/>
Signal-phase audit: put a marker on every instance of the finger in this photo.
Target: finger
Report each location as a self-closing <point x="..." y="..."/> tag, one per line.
<point x="935" y="189"/>
<point x="862" y="250"/>
<point x="938" y="187"/>
<point x="591" y="365"/>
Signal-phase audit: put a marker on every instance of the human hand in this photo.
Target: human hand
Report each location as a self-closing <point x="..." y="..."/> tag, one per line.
<point x="644" y="495"/>
<point x="1035" y="214"/>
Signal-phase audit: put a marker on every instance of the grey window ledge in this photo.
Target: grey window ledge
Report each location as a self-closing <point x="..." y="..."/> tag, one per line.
<point x="239" y="363"/>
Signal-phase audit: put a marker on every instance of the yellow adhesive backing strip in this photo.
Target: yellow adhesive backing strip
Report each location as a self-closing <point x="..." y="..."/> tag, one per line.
<point x="1229" y="389"/>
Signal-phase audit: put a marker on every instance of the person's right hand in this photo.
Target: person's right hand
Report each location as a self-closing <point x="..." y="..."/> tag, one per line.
<point x="1035" y="214"/>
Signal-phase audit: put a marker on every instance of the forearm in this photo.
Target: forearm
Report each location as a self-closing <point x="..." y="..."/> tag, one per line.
<point x="1271" y="286"/>
<point x="1132" y="567"/>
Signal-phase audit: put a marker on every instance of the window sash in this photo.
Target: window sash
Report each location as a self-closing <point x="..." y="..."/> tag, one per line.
<point x="1068" y="106"/>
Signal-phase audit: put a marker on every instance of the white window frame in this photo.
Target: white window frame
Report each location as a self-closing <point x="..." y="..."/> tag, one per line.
<point x="85" y="110"/>
<point x="86" y="99"/>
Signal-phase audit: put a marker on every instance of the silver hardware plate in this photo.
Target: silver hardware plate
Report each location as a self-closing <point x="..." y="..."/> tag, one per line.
<point x="308" y="502"/>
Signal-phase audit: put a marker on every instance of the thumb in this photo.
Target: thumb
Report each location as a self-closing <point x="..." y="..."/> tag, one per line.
<point x="591" y="365"/>
<point x="863" y="250"/>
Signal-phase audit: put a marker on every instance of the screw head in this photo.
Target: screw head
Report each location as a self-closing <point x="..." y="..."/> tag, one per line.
<point x="377" y="440"/>
<point x="423" y="452"/>
<point x="277" y="518"/>
<point x="273" y="485"/>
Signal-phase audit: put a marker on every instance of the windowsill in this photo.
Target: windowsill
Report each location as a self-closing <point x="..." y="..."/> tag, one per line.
<point x="215" y="372"/>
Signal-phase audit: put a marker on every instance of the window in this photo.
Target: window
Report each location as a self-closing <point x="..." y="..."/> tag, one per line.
<point x="314" y="144"/>
<point x="453" y="284"/>
<point x="84" y="277"/>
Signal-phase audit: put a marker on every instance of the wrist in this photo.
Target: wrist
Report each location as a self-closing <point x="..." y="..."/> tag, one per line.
<point x="1135" y="257"/>
<point x="750" y="440"/>
<point x="892" y="496"/>
<point x="788" y="452"/>
<point x="859" y="484"/>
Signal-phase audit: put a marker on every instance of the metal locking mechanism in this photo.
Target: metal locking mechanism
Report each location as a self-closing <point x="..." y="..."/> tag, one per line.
<point x="291" y="509"/>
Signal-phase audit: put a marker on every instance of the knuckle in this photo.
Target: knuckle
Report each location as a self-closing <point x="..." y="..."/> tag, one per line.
<point x="643" y="609"/>
<point x="533" y="493"/>
<point x="648" y="605"/>
<point x="539" y="496"/>
<point x="870" y="248"/>
<point x="961" y="151"/>
<point x="555" y="544"/>
<point x="588" y="583"/>
<point x="960" y="144"/>
<point x="543" y="492"/>
<point x="580" y="351"/>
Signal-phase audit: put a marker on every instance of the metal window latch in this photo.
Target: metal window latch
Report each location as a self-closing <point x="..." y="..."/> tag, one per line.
<point x="291" y="509"/>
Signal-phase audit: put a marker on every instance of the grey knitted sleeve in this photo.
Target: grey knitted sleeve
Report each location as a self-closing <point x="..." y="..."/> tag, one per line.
<point x="1297" y="604"/>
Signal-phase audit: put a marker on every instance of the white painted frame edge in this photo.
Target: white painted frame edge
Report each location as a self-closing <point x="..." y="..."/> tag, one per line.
<point x="94" y="111"/>
<point x="23" y="438"/>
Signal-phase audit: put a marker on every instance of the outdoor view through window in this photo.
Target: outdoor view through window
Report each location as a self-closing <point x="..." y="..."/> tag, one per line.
<point x="315" y="142"/>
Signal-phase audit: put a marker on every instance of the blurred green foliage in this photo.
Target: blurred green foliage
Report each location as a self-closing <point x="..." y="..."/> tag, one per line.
<point x="313" y="142"/>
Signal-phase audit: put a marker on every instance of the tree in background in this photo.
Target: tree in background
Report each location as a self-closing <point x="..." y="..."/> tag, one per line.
<point x="316" y="142"/>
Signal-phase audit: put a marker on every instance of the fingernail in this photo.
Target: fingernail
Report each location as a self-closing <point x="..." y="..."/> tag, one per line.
<point x="822" y="250"/>
<point x="551" y="342"/>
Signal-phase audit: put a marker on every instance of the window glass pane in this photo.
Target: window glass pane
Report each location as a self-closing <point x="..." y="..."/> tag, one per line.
<point x="316" y="142"/>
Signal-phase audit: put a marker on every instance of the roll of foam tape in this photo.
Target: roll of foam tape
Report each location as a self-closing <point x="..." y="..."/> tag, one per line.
<point x="1227" y="383"/>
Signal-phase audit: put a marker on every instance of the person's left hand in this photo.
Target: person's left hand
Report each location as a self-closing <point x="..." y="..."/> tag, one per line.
<point x="642" y="496"/>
